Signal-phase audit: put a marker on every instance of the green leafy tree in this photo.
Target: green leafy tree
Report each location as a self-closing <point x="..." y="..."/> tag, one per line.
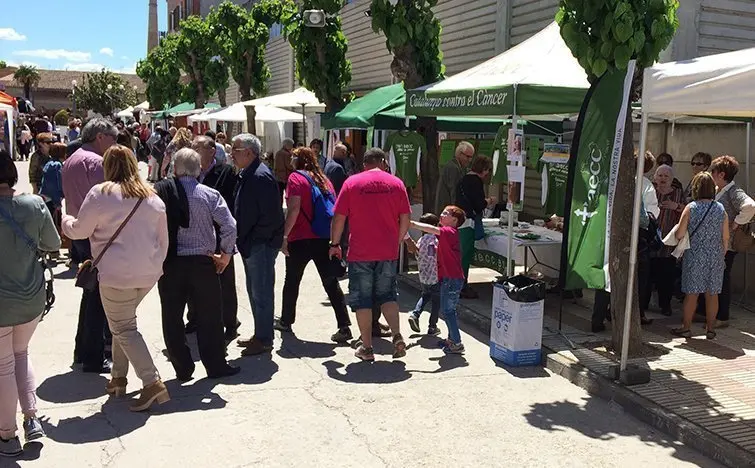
<point x="195" y="49"/>
<point x="605" y="35"/>
<point x="241" y="41"/>
<point x="412" y="35"/>
<point x="61" y="117"/>
<point x="28" y="77"/>
<point x="162" y="74"/>
<point x="321" y="63"/>
<point x="104" y="92"/>
<point x="3" y="64"/>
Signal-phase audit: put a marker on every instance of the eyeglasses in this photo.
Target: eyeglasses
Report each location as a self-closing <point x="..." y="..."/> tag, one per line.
<point x="697" y="164"/>
<point x="468" y="156"/>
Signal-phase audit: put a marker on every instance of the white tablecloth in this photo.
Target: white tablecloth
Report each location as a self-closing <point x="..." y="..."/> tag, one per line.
<point x="547" y="248"/>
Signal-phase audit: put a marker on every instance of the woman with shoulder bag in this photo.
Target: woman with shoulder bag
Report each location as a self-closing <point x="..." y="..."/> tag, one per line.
<point x="302" y="245"/>
<point x="703" y="263"/>
<point x="663" y="264"/>
<point x="126" y="208"/>
<point x="26" y="227"/>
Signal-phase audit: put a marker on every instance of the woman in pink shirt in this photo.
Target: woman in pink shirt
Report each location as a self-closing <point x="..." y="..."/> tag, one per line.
<point x="450" y="271"/>
<point x="129" y="268"/>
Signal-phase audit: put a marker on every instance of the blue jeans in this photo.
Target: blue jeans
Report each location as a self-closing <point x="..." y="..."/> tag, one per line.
<point x="259" y="267"/>
<point x="449" y="300"/>
<point x="372" y="283"/>
<point x="431" y="293"/>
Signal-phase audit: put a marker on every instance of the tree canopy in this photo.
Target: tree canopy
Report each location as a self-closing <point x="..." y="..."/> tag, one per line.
<point x="162" y="74"/>
<point x="28" y="77"/>
<point x="104" y="92"/>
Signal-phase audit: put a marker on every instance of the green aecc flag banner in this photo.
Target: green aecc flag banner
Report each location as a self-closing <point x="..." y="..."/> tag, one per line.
<point x="594" y="165"/>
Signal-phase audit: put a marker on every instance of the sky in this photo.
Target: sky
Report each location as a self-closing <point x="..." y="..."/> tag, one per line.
<point x="83" y="35"/>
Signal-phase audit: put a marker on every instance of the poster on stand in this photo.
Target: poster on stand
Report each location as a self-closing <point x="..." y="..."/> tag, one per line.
<point x="516" y="188"/>
<point x="516" y="152"/>
<point x="556" y="153"/>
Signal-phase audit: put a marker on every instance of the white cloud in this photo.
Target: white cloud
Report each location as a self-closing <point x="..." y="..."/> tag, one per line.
<point x="106" y="51"/>
<point x="56" y="54"/>
<point x="124" y="57"/>
<point x="10" y="34"/>
<point x="129" y="69"/>
<point x="25" y="62"/>
<point x="92" y="67"/>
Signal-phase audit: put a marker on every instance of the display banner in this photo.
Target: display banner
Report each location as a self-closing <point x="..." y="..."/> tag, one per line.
<point x="593" y="172"/>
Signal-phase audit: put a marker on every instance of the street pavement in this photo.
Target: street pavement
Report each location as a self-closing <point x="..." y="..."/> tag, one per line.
<point x="312" y="404"/>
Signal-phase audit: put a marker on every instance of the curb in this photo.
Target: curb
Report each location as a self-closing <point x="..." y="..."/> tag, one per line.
<point x="692" y="435"/>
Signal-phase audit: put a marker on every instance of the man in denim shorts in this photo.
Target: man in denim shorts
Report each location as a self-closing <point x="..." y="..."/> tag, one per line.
<point x="377" y="207"/>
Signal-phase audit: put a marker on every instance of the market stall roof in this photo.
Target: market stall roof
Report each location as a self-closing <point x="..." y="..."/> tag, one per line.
<point x="127" y="112"/>
<point x="717" y="85"/>
<point x="296" y="98"/>
<point x="6" y="98"/>
<point x="237" y="113"/>
<point x="537" y="77"/>
<point x="143" y="106"/>
<point x="185" y="108"/>
<point x="383" y="108"/>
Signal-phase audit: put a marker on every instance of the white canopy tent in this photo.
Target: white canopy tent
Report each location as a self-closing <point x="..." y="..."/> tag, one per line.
<point x="126" y="113"/>
<point x="237" y="113"/>
<point x="143" y="106"/>
<point x="713" y="86"/>
<point x="300" y="97"/>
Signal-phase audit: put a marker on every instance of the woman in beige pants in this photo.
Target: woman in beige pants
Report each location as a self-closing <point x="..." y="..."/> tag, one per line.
<point x="128" y="267"/>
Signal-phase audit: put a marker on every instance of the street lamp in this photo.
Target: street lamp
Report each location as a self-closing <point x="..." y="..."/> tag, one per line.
<point x="73" y="95"/>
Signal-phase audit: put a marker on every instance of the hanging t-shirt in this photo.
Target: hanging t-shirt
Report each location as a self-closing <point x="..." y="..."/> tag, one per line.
<point x="500" y="150"/>
<point x="554" y="188"/>
<point x="405" y="150"/>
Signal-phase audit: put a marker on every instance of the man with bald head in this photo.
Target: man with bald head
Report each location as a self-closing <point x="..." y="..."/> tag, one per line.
<point x="221" y="177"/>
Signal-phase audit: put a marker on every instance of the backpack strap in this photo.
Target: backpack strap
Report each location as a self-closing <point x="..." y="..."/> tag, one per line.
<point x="312" y="195"/>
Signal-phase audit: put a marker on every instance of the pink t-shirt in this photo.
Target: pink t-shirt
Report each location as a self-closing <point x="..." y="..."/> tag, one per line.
<point x="298" y="186"/>
<point x="449" y="254"/>
<point x="373" y="201"/>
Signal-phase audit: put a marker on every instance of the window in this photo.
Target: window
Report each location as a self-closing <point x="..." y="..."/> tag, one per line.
<point x="276" y="30"/>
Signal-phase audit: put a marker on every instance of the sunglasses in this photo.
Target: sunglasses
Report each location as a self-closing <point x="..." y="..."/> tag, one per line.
<point x="697" y="164"/>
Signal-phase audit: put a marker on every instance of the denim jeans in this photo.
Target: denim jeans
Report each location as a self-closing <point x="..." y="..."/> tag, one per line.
<point x="449" y="300"/>
<point x="372" y="283"/>
<point x="430" y="293"/>
<point x="259" y="267"/>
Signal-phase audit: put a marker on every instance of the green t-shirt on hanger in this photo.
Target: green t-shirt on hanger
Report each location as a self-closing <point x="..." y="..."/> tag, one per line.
<point x="405" y="149"/>
<point x="554" y="188"/>
<point x="500" y="151"/>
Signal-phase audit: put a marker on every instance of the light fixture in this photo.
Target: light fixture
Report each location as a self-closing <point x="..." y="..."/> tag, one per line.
<point x="109" y="87"/>
<point x="368" y="13"/>
<point x="74" y="83"/>
<point x="314" y="18"/>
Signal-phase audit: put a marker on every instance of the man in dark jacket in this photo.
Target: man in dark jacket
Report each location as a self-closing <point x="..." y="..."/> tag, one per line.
<point x="260" y="221"/>
<point x="222" y="178"/>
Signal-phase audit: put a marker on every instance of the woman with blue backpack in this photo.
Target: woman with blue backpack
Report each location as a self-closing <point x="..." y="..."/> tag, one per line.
<point x="310" y="199"/>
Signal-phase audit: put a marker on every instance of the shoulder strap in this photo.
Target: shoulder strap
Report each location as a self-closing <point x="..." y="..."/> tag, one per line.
<point x="703" y="219"/>
<point x="19" y="231"/>
<point x="118" y="231"/>
<point x="312" y="196"/>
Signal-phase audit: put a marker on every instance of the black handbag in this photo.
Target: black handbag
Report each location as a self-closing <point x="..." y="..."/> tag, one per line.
<point x="87" y="276"/>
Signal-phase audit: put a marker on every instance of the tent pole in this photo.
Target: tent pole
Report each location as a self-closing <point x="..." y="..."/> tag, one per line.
<point x="633" y="243"/>
<point x="304" y="123"/>
<point x="510" y="232"/>
<point x="748" y="148"/>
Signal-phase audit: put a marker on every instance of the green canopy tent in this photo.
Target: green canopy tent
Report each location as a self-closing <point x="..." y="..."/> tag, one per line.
<point x="185" y="108"/>
<point x="539" y="77"/>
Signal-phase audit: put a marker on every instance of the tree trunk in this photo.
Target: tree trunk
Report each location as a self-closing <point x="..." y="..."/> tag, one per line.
<point x="27" y="91"/>
<point x="429" y="165"/>
<point x="222" y="96"/>
<point x="199" y="97"/>
<point x="251" y="116"/>
<point x="621" y="233"/>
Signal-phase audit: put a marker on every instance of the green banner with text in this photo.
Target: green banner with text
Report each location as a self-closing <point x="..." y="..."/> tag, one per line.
<point x="594" y="166"/>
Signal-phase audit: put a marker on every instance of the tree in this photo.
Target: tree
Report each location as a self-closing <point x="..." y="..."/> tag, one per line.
<point x="103" y="92"/>
<point x="241" y="42"/>
<point x="28" y="77"/>
<point x="605" y="35"/>
<point x="3" y="64"/>
<point x="195" y="48"/>
<point x="321" y="63"/>
<point x="413" y="37"/>
<point x="162" y="74"/>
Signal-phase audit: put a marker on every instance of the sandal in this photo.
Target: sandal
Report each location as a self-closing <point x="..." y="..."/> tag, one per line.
<point x="682" y="332"/>
<point x="710" y="335"/>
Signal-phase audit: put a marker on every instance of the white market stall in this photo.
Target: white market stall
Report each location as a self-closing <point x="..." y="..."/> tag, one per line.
<point x="713" y="86"/>
<point x="539" y="77"/>
<point x="10" y="116"/>
<point x="300" y="98"/>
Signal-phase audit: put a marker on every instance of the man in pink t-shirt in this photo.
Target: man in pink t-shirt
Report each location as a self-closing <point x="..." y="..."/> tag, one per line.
<point x="377" y="207"/>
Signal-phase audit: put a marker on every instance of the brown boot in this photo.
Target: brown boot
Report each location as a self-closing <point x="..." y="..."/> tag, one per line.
<point x="149" y="394"/>
<point x="116" y="386"/>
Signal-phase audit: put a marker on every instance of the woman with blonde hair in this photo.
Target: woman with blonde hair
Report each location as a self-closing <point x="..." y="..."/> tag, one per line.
<point x="126" y="208"/>
<point x="182" y="139"/>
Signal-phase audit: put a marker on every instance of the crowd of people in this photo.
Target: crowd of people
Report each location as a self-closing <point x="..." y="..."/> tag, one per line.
<point x="208" y="202"/>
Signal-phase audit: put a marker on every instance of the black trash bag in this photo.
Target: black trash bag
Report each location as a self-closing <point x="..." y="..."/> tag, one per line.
<point x="522" y="288"/>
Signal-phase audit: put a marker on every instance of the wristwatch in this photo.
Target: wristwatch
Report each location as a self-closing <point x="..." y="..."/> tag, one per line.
<point x="335" y="244"/>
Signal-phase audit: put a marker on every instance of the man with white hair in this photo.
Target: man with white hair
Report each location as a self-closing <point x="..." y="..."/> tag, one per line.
<point x="192" y="268"/>
<point x="451" y="174"/>
<point x="260" y="220"/>
<point x="282" y="164"/>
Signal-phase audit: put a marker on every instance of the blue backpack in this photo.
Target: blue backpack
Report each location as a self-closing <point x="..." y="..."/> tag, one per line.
<point x="323" y="205"/>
